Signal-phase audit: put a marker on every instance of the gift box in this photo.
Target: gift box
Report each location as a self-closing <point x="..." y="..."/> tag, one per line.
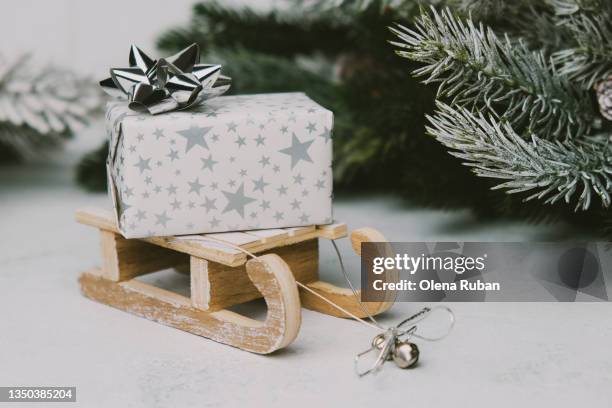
<point x="234" y="163"/>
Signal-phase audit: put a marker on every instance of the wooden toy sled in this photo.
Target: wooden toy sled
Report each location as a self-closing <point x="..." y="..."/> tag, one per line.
<point x="220" y="277"/>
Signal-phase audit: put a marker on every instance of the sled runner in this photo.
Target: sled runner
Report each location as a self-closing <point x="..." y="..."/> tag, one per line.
<point x="221" y="276"/>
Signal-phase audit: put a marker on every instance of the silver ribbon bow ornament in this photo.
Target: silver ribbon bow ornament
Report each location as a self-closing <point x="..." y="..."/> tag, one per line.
<point x="172" y="83"/>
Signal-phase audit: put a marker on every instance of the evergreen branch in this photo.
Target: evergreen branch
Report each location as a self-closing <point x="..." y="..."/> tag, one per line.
<point x="41" y="106"/>
<point x="531" y="20"/>
<point x="281" y="33"/>
<point x="590" y="24"/>
<point x="490" y="9"/>
<point x="565" y="8"/>
<point x="254" y="72"/>
<point x="552" y="171"/>
<point x="404" y="8"/>
<point x="477" y="69"/>
<point x="18" y="142"/>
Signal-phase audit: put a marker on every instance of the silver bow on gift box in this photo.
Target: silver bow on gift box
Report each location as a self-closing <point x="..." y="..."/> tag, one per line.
<point x="173" y="83"/>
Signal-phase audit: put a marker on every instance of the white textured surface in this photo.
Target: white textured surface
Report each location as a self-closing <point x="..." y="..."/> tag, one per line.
<point x="499" y="355"/>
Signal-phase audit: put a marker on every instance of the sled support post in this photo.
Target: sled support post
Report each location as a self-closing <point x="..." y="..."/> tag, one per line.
<point x="124" y="259"/>
<point x="215" y="286"/>
<point x="198" y="282"/>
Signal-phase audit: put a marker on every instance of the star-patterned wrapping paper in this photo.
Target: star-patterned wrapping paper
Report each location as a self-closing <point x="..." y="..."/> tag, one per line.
<point x="235" y="163"/>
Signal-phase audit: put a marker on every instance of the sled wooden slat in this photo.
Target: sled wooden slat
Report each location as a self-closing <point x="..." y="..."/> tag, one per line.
<point x="269" y="235"/>
<point x="235" y="238"/>
<point x="332" y="231"/>
<point x="205" y="245"/>
<point x="105" y="220"/>
<point x="297" y="231"/>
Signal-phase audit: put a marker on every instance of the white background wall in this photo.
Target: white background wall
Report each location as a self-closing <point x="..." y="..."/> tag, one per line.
<point x="89" y="35"/>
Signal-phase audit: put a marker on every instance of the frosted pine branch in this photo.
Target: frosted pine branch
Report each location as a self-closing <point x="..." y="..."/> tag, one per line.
<point x="40" y="106"/>
<point x="496" y="9"/>
<point x="590" y="24"/>
<point x="551" y="171"/>
<point x="407" y="6"/>
<point x="477" y="69"/>
<point x="569" y="7"/>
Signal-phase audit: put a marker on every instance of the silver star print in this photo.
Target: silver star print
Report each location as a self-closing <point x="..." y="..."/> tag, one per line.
<point x="264" y="161"/>
<point x="214" y="222"/>
<point x="123" y="206"/>
<point x="171" y="189"/>
<point x="282" y="190"/>
<point x="162" y="219"/>
<point x="231" y="127"/>
<point x="173" y="155"/>
<point x="195" y="186"/>
<point x="208" y="163"/>
<point x="159" y="133"/>
<point x="240" y="141"/>
<point x="176" y="205"/>
<point x="260" y="184"/>
<point x="326" y="135"/>
<point x="260" y="140"/>
<point x="209" y="204"/>
<point x="141" y="215"/>
<point x="298" y="151"/>
<point x="237" y="201"/>
<point x="195" y="136"/>
<point x="143" y="164"/>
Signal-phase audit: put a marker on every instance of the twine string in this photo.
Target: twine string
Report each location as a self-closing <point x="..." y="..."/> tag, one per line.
<point x="391" y="334"/>
<point x="374" y="324"/>
<point x="355" y="295"/>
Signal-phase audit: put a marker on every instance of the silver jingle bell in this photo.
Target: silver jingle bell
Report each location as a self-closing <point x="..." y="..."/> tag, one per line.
<point x="405" y="354"/>
<point x="378" y="342"/>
